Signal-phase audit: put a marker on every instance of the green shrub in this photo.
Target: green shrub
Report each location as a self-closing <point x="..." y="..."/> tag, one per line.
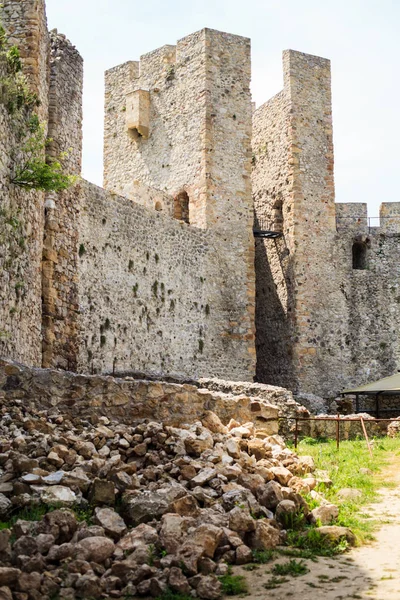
<point x="263" y="556"/>
<point x="293" y="567"/>
<point x="232" y="585"/>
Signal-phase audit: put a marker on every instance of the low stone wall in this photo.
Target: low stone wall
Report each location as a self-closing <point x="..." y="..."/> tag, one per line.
<point x="127" y="400"/>
<point x="347" y="429"/>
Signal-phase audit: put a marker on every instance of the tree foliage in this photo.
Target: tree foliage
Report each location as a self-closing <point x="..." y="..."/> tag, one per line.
<point x="31" y="168"/>
<point x="36" y="173"/>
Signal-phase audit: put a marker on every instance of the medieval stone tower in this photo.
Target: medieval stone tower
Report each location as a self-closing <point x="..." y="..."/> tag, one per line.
<point x="327" y="289"/>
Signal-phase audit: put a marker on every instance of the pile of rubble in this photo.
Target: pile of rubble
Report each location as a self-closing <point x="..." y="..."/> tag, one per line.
<point x="141" y="509"/>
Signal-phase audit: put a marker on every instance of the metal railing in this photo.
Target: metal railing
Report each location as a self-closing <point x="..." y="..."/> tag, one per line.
<point x="337" y="419"/>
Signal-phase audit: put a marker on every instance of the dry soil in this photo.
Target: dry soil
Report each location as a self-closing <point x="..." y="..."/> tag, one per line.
<point x="371" y="571"/>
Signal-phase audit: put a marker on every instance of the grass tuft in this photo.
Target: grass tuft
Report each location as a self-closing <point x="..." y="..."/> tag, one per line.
<point x="233" y="585"/>
<point x="170" y="595"/>
<point x="293" y="567"/>
<point x="262" y="557"/>
<point x="274" y="582"/>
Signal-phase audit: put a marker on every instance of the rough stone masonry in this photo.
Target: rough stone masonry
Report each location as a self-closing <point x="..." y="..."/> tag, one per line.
<point x="159" y="271"/>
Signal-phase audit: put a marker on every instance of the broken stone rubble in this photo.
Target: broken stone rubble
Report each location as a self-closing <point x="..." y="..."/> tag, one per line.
<point x="169" y="517"/>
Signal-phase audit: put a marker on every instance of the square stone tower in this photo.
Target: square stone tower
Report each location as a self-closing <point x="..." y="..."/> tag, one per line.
<point x="299" y="338"/>
<point x="180" y="121"/>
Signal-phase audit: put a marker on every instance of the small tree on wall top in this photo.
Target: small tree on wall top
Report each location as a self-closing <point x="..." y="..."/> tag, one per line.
<point x="30" y="168"/>
<point x="35" y="173"/>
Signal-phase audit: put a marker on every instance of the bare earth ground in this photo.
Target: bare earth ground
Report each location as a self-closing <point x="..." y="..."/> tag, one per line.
<point x="371" y="571"/>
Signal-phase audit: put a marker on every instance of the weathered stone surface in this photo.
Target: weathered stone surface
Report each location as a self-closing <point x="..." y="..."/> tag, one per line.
<point x="142" y="535"/>
<point x="5" y="506"/>
<point x="325" y="514"/>
<point x="335" y="533"/>
<point x="4" y="539"/>
<point x="102" y="492"/>
<point x="143" y="506"/>
<point x="203" y="477"/>
<point x="208" y="537"/>
<point x="241" y="521"/>
<point x="209" y="588"/>
<point x="185" y="506"/>
<point x="8" y="575"/>
<point x="243" y="555"/>
<point x="265" y="536"/>
<point x="5" y="593"/>
<point x="177" y="581"/>
<point x="349" y="494"/>
<point x="61" y="524"/>
<point x="96" y="549"/>
<point x="270" y="495"/>
<point x="111" y="522"/>
<point x="281" y="474"/>
<point x="58" y="495"/>
<point x="188" y="556"/>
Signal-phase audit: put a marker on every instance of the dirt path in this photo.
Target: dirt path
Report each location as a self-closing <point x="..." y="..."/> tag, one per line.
<point x="371" y="571"/>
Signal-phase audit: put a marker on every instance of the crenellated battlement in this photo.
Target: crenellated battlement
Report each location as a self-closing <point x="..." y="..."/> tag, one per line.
<point x="352" y="217"/>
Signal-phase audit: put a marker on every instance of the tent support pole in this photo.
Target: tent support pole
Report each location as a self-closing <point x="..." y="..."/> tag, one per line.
<point x="377" y="406"/>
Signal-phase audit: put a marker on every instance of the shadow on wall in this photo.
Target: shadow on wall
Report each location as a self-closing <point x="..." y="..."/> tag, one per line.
<point x="274" y="326"/>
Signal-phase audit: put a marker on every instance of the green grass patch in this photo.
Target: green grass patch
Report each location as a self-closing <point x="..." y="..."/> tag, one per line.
<point x="31" y="513"/>
<point x="233" y="585"/>
<point x="343" y="467"/>
<point x="313" y="543"/>
<point x="262" y="557"/>
<point x="274" y="582"/>
<point x="299" y="553"/>
<point x="36" y="512"/>
<point x="170" y="595"/>
<point x="293" y="567"/>
<point x="250" y="567"/>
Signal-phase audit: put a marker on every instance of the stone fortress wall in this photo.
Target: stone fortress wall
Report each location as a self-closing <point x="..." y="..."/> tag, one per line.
<point x="134" y="282"/>
<point x="155" y="272"/>
<point x="22" y="212"/>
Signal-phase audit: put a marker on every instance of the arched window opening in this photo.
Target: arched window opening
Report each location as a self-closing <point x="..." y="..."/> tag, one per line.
<point x="277" y="216"/>
<point x="359" y="255"/>
<point x="181" y="207"/>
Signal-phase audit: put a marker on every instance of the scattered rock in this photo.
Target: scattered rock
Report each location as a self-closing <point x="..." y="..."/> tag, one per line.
<point x="191" y="500"/>
<point x="111" y="522"/>
<point x="96" y="549"/>
<point x="325" y="514"/>
<point x="102" y="492"/>
<point x="5" y="506"/>
<point x="58" y="494"/>
<point x="335" y="533"/>
<point x="349" y="494"/>
<point x="265" y="536"/>
<point x="270" y="495"/>
<point x="209" y="587"/>
<point x="8" y="575"/>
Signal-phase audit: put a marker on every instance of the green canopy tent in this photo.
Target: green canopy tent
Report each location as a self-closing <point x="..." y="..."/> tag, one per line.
<point x="388" y="386"/>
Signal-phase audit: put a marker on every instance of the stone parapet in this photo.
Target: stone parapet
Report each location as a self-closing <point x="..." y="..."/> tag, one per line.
<point x="93" y="396"/>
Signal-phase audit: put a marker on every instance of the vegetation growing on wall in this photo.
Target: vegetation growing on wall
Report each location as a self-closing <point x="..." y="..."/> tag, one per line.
<point x="30" y="168"/>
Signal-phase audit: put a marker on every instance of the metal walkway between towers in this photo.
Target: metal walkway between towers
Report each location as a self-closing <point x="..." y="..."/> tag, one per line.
<point x="265" y="233"/>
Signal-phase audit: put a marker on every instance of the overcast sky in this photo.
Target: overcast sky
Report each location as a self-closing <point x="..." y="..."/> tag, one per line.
<point x="361" y="37"/>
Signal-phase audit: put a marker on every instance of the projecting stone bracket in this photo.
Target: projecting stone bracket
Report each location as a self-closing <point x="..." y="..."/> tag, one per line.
<point x="138" y="112"/>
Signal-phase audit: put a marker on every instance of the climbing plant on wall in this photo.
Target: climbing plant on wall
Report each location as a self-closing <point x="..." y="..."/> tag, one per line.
<point x="31" y="169"/>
